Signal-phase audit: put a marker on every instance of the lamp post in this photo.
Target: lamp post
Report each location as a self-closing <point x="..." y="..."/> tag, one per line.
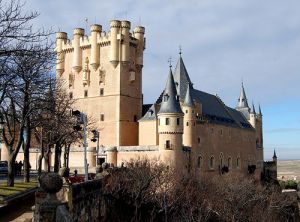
<point x="82" y="120"/>
<point x="96" y="137"/>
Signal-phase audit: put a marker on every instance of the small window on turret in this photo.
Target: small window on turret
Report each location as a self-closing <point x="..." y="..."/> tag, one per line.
<point x="187" y="123"/>
<point x="85" y="93"/>
<point x="186" y="111"/>
<point x="167" y="121"/>
<point x="101" y="92"/>
<point x="166" y="97"/>
<point x="199" y="140"/>
<point x="178" y="121"/>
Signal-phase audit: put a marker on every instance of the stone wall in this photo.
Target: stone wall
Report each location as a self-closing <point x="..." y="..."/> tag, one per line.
<point x="84" y="200"/>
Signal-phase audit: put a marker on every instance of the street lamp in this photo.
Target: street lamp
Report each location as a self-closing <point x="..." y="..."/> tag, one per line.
<point x="82" y="120"/>
<point x="96" y="137"/>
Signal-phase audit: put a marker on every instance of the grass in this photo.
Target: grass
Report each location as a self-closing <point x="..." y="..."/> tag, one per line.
<point x="19" y="187"/>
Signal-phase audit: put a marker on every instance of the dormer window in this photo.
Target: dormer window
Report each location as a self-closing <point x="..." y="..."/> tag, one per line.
<point x="166" y="97"/>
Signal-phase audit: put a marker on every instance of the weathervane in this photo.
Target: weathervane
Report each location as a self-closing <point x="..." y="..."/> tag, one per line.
<point x="170" y="61"/>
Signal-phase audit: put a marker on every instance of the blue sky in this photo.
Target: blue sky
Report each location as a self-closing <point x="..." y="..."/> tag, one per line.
<point x="223" y="42"/>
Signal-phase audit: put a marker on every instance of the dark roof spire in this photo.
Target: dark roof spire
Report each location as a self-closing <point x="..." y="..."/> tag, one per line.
<point x="188" y="101"/>
<point x="259" y="110"/>
<point x="181" y="77"/>
<point x="253" y="109"/>
<point x="169" y="102"/>
<point x="274" y="155"/>
<point x="242" y="101"/>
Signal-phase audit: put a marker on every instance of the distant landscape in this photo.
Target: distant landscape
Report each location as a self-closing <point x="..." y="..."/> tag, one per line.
<point x="289" y="169"/>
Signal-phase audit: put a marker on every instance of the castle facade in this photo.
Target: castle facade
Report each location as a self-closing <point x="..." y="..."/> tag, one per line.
<point x="185" y="126"/>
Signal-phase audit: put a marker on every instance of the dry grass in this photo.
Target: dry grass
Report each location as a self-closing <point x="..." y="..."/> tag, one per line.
<point x="289" y="169"/>
<point x="19" y="187"/>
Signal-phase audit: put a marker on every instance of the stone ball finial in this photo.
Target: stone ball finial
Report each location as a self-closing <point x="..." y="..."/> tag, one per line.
<point x="51" y="182"/>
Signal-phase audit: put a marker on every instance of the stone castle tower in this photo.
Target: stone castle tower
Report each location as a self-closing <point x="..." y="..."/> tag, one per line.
<point x="104" y="71"/>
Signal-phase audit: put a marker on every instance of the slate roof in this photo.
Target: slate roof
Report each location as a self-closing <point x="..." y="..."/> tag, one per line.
<point x="151" y="113"/>
<point x="182" y="79"/>
<point x="169" y="103"/>
<point x="217" y="112"/>
<point x="188" y="101"/>
<point x="242" y="101"/>
<point x="213" y="108"/>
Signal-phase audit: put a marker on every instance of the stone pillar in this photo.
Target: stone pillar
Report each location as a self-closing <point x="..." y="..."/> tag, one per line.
<point x="50" y="183"/>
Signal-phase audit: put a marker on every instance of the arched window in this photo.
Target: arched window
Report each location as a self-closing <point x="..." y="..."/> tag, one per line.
<point x="221" y="159"/>
<point x="199" y="161"/>
<point x="238" y="162"/>
<point x="211" y="162"/>
<point x="199" y="140"/>
<point x="187" y="123"/>
<point x="229" y="162"/>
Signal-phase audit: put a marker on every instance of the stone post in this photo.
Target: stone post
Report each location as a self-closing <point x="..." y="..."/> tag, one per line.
<point x="51" y="183"/>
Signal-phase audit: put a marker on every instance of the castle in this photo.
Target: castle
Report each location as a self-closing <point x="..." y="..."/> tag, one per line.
<point x="185" y="126"/>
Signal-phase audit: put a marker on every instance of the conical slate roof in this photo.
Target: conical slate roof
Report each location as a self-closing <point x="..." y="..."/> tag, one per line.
<point x="274" y="155"/>
<point x="253" y="109"/>
<point x="181" y="78"/>
<point x="259" y="110"/>
<point x="188" y="101"/>
<point x="242" y="101"/>
<point x="169" y="103"/>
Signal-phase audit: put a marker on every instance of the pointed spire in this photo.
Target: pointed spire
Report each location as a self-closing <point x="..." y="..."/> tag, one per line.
<point x="259" y="110"/>
<point x="253" y="109"/>
<point x="169" y="102"/>
<point x="188" y="101"/>
<point x="274" y="155"/>
<point x="181" y="77"/>
<point x="242" y="101"/>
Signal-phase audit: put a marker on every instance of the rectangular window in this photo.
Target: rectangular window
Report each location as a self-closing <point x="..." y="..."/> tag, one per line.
<point x="85" y="93"/>
<point x="101" y="92"/>
<point x="167" y="121"/>
<point x="101" y="117"/>
<point x="168" y="144"/>
<point x="178" y="121"/>
<point x="71" y="95"/>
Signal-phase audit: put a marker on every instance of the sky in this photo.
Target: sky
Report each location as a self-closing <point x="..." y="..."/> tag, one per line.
<point x="223" y="43"/>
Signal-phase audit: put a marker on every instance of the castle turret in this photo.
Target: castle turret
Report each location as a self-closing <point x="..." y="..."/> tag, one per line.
<point x="275" y="157"/>
<point x="189" y="119"/>
<point x="95" y="48"/>
<point x="125" y="26"/>
<point x="139" y="33"/>
<point x="115" y="36"/>
<point x="61" y="38"/>
<point x="242" y="105"/>
<point x="77" y="55"/>
<point x="253" y="117"/>
<point x="259" y="127"/>
<point x="170" y="128"/>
